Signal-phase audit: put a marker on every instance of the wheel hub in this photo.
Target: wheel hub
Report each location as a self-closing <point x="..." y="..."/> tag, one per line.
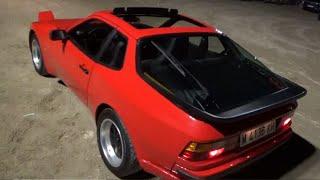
<point x="36" y="54"/>
<point x="111" y="142"/>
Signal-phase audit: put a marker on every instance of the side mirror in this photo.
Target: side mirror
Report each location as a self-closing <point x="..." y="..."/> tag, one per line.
<point x="58" y="34"/>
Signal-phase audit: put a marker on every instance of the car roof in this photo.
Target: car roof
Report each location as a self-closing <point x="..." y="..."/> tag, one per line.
<point x="116" y="19"/>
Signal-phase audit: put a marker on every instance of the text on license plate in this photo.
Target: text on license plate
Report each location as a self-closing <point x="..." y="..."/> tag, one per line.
<point x="254" y="134"/>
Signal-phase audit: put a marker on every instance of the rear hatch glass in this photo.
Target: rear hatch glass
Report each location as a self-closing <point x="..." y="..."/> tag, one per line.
<point x="208" y="71"/>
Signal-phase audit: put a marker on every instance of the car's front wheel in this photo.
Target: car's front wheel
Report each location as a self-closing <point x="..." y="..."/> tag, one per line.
<point x="115" y="146"/>
<point x="37" y="58"/>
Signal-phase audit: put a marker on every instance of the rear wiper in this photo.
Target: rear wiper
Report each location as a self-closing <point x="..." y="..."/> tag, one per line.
<point x="170" y="59"/>
<point x="206" y="98"/>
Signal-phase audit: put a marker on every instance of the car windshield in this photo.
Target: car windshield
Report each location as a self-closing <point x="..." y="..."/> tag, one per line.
<point x="209" y="71"/>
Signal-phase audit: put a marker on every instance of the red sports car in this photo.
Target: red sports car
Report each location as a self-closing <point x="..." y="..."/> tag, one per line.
<point x="169" y="94"/>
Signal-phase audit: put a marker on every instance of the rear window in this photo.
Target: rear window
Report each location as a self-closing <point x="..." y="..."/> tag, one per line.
<point x="209" y="71"/>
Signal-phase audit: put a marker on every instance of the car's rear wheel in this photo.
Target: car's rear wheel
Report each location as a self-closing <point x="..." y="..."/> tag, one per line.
<point x="37" y="58"/>
<point x="115" y="146"/>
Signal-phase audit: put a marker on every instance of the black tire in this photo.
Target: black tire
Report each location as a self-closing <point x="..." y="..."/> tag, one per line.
<point x="129" y="165"/>
<point x="40" y="68"/>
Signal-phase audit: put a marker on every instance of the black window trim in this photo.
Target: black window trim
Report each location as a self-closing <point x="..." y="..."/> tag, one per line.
<point x="95" y="58"/>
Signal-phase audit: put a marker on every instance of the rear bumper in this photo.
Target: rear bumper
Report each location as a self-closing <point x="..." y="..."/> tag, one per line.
<point x="243" y="159"/>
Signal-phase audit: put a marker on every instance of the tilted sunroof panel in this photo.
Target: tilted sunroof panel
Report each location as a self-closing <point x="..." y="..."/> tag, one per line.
<point x="145" y="17"/>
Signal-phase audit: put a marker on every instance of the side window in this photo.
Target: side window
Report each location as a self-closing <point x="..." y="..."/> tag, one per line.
<point x="114" y="51"/>
<point x="215" y="45"/>
<point x="198" y="47"/>
<point x="201" y="47"/>
<point x="90" y="35"/>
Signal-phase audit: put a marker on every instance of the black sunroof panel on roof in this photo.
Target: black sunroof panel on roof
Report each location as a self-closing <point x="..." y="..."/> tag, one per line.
<point x="150" y="17"/>
<point x="145" y="11"/>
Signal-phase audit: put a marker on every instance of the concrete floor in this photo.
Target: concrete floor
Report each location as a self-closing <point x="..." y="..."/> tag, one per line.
<point x="45" y="132"/>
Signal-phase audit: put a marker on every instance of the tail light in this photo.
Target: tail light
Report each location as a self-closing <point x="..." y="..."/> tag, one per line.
<point x="215" y="152"/>
<point x="202" y="151"/>
<point x="286" y="121"/>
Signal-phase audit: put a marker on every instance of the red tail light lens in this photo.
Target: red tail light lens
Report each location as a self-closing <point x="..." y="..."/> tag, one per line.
<point x="286" y="121"/>
<point x="216" y="152"/>
<point x="202" y="151"/>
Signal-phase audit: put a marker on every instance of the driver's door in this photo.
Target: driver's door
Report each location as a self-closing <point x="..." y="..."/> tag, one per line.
<point x="79" y="53"/>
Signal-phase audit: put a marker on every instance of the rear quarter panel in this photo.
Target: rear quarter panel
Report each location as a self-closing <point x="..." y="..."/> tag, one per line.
<point x="157" y="128"/>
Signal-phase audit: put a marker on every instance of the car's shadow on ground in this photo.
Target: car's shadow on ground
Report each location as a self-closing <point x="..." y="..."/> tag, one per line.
<point x="279" y="162"/>
<point x="62" y="83"/>
<point x="142" y="175"/>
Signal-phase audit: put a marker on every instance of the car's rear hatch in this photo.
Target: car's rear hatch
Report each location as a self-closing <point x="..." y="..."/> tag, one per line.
<point x="217" y="86"/>
<point x="233" y="108"/>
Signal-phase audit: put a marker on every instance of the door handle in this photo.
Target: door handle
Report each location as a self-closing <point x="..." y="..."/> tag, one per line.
<point x="84" y="69"/>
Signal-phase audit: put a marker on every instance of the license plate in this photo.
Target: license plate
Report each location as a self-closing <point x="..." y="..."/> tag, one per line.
<point x="310" y="6"/>
<point x="257" y="133"/>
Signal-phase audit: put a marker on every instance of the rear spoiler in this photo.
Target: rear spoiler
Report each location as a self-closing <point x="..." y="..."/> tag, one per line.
<point x="288" y="95"/>
<point x="45" y="16"/>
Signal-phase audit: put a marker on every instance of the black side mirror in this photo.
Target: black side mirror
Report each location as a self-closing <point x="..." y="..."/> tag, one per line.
<point x="58" y="34"/>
